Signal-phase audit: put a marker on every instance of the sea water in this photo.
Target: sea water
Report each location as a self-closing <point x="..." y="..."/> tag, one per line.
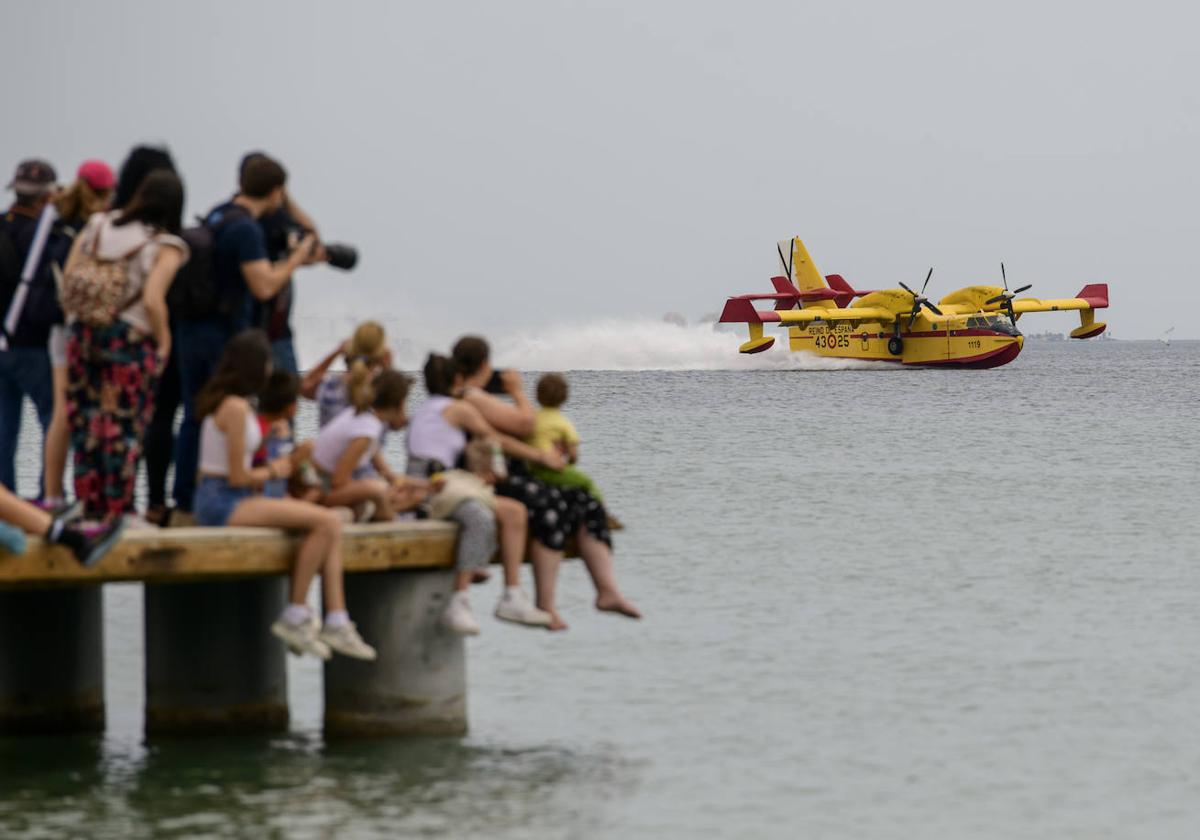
<point x="879" y="603"/>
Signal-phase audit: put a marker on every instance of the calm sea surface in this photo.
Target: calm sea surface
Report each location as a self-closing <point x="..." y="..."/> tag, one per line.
<point x="879" y="604"/>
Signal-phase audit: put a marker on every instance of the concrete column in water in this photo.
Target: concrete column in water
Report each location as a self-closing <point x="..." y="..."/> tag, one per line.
<point x="212" y="664"/>
<point x="51" y="660"/>
<point x="418" y="686"/>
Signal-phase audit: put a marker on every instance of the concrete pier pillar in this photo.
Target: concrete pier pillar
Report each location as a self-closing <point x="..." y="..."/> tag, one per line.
<point x="418" y="686"/>
<point x="212" y="664"/>
<point x="51" y="660"/>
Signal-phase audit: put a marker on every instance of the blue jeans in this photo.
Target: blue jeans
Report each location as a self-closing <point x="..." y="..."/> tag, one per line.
<point x="24" y="372"/>
<point x="197" y="346"/>
<point x="283" y="355"/>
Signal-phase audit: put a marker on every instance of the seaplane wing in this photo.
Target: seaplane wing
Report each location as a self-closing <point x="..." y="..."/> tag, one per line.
<point x="740" y="310"/>
<point x="858" y="313"/>
<point x="1092" y="297"/>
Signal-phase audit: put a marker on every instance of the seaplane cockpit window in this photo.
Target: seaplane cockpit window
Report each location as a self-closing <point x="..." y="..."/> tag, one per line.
<point x="1001" y="324"/>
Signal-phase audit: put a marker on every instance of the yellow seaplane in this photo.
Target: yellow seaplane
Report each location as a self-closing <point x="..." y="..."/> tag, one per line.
<point x="974" y="327"/>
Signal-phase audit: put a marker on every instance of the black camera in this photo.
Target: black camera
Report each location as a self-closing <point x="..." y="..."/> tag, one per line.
<point x="337" y="254"/>
<point x="495" y="385"/>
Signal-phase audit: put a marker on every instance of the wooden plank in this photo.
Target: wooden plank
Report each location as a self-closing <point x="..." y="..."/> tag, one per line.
<point x="187" y="554"/>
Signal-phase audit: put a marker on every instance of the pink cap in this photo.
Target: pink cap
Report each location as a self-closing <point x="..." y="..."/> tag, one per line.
<point x="97" y="173"/>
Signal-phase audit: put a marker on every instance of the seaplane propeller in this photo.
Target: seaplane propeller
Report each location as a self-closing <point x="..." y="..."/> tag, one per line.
<point x="1006" y="297"/>
<point x="920" y="300"/>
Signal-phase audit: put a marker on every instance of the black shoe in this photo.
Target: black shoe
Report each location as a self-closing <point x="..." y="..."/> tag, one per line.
<point x="90" y="544"/>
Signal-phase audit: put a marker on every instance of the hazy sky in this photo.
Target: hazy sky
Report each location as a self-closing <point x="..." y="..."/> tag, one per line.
<point x="520" y="165"/>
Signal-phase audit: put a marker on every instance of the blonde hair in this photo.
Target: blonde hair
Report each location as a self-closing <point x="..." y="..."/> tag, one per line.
<point x="79" y="201"/>
<point x="367" y="350"/>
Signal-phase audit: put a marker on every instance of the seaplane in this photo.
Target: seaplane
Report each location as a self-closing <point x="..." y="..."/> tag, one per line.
<point x="973" y="327"/>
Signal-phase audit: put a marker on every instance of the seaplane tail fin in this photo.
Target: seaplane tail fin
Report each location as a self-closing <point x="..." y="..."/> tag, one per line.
<point x="800" y="268"/>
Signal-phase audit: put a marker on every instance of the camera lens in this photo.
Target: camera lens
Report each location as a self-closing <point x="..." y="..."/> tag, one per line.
<point x="340" y="255"/>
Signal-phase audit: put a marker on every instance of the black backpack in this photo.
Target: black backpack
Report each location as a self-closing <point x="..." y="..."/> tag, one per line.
<point x="195" y="294"/>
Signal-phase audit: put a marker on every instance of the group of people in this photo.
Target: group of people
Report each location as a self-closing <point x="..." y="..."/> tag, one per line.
<point x="116" y="320"/>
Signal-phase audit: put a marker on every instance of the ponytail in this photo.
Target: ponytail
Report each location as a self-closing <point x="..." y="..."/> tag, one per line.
<point x="366" y="353"/>
<point x="359" y="390"/>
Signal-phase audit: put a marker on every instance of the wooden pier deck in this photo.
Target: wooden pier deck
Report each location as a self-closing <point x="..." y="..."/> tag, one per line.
<point x="174" y="555"/>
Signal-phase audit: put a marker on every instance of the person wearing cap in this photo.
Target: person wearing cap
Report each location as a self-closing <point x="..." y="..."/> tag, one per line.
<point x="90" y="193"/>
<point x="29" y="306"/>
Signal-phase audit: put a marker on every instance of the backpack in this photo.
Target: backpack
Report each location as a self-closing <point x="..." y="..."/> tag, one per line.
<point x="194" y="295"/>
<point x="96" y="290"/>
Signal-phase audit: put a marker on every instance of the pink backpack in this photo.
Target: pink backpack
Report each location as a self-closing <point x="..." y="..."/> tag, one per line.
<point x="96" y="290"/>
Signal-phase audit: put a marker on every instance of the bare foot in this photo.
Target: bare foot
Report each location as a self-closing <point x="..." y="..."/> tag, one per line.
<point x="556" y="620"/>
<point x="618" y="603"/>
<point x="480" y="576"/>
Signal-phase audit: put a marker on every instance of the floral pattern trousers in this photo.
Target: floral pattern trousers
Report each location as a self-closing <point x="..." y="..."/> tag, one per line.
<point x="111" y="376"/>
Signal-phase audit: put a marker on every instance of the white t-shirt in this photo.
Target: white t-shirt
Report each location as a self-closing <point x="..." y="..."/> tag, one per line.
<point x="336" y="437"/>
<point x="116" y="242"/>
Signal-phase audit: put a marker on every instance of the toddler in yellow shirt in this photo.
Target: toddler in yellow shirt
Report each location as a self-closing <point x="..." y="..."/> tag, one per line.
<point x="553" y="431"/>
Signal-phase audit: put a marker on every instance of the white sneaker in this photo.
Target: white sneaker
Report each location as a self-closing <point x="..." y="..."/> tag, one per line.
<point x="515" y="606"/>
<point x="301" y="638"/>
<point x="458" y="616"/>
<point x="346" y="641"/>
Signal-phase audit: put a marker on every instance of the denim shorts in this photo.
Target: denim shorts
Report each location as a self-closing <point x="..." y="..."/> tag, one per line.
<point x="215" y="500"/>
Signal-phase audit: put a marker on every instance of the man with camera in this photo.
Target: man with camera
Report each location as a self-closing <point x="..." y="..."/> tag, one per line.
<point x="282" y="230"/>
<point x="242" y="276"/>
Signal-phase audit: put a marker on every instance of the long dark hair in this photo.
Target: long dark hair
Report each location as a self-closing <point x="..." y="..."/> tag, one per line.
<point x="439" y="375"/>
<point x="142" y="160"/>
<point x="242" y="371"/>
<point x="158" y="203"/>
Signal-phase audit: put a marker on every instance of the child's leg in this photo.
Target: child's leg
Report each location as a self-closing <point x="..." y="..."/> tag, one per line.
<point x="597" y="556"/>
<point x="545" y="577"/>
<point x="354" y="493"/>
<point x="57" y="438"/>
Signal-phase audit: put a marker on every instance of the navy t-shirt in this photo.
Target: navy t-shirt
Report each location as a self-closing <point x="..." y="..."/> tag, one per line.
<point x="238" y="241"/>
<point x="275" y="314"/>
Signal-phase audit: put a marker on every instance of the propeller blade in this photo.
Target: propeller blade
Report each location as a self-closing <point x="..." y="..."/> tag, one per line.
<point x="996" y="299"/>
<point x="1004" y="276"/>
<point x="927" y="276"/>
<point x="1012" y="316"/>
<point x="911" y="318"/>
<point x="931" y="306"/>
<point x="783" y="263"/>
<point x="910" y="291"/>
<point x="1023" y="289"/>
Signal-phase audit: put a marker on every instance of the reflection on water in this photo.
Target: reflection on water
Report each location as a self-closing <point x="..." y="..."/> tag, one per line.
<point x="294" y="785"/>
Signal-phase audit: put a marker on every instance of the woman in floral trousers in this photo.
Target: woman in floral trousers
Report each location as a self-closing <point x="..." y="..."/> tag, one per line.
<point x="113" y="369"/>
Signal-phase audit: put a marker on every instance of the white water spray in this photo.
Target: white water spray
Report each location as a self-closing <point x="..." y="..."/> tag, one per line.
<point x="643" y="344"/>
<point x="613" y="344"/>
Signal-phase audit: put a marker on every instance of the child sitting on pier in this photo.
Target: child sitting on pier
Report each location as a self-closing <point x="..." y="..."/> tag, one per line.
<point x="276" y="418"/>
<point x="476" y="481"/>
<point x="228" y="493"/>
<point x="437" y="437"/>
<point x="553" y="432"/>
<point x="366" y="354"/>
<point x="353" y="440"/>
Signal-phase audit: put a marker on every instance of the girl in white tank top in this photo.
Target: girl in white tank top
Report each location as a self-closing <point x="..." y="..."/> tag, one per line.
<point x="227" y="494"/>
